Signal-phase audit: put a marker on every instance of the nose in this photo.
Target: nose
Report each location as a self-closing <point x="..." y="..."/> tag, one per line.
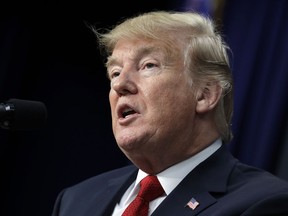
<point x="124" y="84"/>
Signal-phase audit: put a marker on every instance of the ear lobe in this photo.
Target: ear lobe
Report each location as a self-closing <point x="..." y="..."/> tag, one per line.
<point x="208" y="97"/>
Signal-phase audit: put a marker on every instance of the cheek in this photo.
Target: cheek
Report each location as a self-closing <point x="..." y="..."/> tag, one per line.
<point x="167" y="98"/>
<point x="112" y="101"/>
<point x="178" y="99"/>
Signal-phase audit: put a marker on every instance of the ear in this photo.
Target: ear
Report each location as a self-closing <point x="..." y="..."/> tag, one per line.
<point x="208" y="97"/>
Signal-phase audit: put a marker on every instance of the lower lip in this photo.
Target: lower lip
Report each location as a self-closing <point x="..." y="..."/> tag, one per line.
<point x="128" y="119"/>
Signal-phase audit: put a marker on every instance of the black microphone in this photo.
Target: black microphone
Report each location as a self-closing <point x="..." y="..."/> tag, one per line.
<point x="16" y="114"/>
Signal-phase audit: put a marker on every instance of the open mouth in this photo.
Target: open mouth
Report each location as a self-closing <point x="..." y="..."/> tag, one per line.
<point x="126" y="111"/>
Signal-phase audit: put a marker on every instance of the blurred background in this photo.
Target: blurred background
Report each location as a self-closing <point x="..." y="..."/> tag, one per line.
<point x="48" y="54"/>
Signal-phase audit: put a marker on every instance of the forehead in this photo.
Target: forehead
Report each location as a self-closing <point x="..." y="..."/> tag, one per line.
<point x="135" y="49"/>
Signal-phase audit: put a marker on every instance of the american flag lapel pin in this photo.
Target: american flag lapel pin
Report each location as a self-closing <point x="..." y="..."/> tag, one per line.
<point x="192" y="204"/>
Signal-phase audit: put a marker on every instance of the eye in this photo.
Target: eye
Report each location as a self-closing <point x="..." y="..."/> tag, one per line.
<point x="149" y="65"/>
<point x="113" y="73"/>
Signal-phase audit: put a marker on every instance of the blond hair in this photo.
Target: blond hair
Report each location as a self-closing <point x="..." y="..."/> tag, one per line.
<point x="204" y="51"/>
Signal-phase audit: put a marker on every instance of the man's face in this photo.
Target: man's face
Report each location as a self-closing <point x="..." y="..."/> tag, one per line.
<point x="152" y="102"/>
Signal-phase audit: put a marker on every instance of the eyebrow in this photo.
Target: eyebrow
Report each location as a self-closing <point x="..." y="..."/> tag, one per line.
<point x="142" y="51"/>
<point x="138" y="54"/>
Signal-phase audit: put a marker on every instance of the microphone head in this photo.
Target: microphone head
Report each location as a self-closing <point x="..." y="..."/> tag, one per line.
<point x="24" y="115"/>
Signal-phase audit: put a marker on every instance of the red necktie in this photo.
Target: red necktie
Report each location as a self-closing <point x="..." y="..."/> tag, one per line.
<point x="150" y="189"/>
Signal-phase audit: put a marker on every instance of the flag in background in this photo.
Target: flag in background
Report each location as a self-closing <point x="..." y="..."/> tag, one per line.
<point x="202" y="6"/>
<point x="262" y="126"/>
<point x="212" y="8"/>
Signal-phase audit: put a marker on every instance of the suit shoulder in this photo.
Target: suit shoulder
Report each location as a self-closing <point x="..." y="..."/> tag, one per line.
<point x="253" y="177"/>
<point x="104" y="177"/>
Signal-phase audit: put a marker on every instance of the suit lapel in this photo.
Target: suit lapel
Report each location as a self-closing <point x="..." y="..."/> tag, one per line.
<point x="202" y="183"/>
<point x="206" y="179"/>
<point x="111" y="194"/>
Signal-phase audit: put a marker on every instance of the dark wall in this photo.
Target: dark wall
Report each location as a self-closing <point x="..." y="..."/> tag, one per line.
<point x="48" y="54"/>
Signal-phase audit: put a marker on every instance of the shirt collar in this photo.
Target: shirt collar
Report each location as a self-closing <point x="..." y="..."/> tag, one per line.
<point x="173" y="175"/>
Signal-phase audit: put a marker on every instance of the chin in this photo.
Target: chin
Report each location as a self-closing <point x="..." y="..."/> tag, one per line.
<point x="126" y="144"/>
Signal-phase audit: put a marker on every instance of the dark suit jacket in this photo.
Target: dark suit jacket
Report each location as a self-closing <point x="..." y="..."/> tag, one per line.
<point x="221" y="184"/>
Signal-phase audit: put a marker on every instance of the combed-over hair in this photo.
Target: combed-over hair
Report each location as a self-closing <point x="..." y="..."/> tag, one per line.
<point x="204" y="51"/>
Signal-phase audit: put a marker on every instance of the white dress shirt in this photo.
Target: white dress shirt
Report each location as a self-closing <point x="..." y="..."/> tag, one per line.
<point x="168" y="178"/>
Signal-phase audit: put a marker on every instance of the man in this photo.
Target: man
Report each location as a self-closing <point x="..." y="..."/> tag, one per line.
<point x="171" y="106"/>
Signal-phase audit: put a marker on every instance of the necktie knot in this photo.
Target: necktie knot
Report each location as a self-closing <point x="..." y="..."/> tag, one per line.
<point x="150" y="189"/>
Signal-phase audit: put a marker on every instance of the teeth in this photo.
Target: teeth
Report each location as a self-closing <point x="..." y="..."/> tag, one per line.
<point x="127" y="112"/>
